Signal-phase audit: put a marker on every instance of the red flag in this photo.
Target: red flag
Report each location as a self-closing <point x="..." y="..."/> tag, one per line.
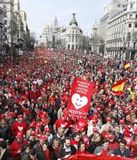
<point x="79" y="100"/>
<point x="95" y="157"/>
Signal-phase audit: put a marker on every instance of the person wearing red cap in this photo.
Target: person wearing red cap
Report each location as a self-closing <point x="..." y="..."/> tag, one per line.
<point x="48" y="133"/>
<point x="60" y="122"/>
<point x="107" y="126"/>
<point x="19" y="125"/>
<point x="91" y="125"/>
<point x="17" y="145"/>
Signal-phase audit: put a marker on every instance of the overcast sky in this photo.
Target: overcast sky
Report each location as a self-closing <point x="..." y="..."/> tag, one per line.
<point x="42" y="12"/>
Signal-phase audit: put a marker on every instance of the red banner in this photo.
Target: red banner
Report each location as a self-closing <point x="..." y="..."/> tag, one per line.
<point x="79" y="100"/>
<point x="94" y="157"/>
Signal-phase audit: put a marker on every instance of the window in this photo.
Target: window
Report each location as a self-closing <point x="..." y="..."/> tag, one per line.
<point x="129" y="25"/>
<point x="136" y="16"/>
<point x="69" y="38"/>
<point x="134" y="45"/>
<point x="72" y="47"/>
<point x="5" y="22"/>
<point x="72" y="38"/>
<point x="131" y="5"/>
<point x="128" y="36"/>
<point x="136" y="25"/>
<point x="76" y="39"/>
<point x="130" y="16"/>
<point x="118" y="5"/>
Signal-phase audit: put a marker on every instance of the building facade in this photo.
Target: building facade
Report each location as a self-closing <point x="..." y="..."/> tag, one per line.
<point x="13" y="26"/>
<point x="122" y="33"/>
<point x="24" y="31"/>
<point x="2" y="28"/>
<point x="50" y="37"/>
<point x="115" y="33"/>
<point x="72" y="36"/>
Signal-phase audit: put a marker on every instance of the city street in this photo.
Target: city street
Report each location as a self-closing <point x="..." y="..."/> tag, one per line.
<point x="34" y="104"/>
<point x="66" y="94"/>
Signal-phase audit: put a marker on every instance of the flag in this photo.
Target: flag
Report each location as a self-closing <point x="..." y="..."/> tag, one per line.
<point x="79" y="100"/>
<point x="127" y="65"/>
<point x="118" y="87"/>
<point x="95" y="157"/>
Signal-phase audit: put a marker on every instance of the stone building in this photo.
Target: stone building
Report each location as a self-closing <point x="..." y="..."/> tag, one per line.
<point x="50" y="36"/>
<point x="122" y="33"/>
<point x="115" y="33"/>
<point x="72" y="36"/>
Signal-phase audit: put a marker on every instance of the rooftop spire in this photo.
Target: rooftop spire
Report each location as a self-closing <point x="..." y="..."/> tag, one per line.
<point x="56" y="22"/>
<point x="74" y="21"/>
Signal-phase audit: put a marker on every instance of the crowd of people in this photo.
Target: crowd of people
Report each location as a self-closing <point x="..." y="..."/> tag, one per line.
<point x="35" y="123"/>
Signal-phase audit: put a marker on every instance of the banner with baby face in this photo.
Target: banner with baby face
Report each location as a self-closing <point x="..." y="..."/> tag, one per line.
<point x="80" y="97"/>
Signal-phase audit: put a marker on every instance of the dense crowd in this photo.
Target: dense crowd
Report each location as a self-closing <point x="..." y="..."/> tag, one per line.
<point x="34" y="93"/>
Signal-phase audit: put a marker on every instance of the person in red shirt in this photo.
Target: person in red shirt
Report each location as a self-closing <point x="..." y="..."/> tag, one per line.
<point x="46" y="151"/>
<point x="19" y="126"/>
<point x="16" y="146"/>
<point x="112" y="143"/>
<point x="134" y="146"/>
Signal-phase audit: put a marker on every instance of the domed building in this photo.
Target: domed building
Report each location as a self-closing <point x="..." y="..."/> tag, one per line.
<point x="57" y="37"/>
<point x="72" y="36"/>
